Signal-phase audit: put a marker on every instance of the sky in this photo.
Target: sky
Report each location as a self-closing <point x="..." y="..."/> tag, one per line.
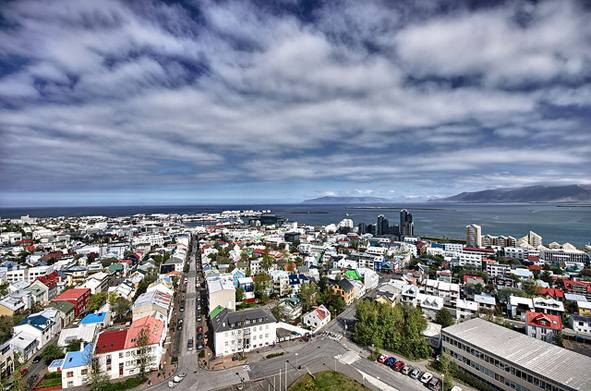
<point x="197" y="102"/>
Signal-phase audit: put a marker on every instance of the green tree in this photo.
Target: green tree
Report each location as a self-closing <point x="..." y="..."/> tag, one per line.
<point x="51" y="352"/>
<point x="143" y="351"/>
<point x="239" y="294"/>
<point x="122" y="306"/>
<point x="307" y="295"/>
<point x="74" y="345"/>
<point x="96" y="380"/>
<point x="267" y="260"/>
<point x="444" y="318"/>
<point x="530" y="288"/>
<point x="262" y="283"/>
<point x="446" y="370"/>
<point x="97" y="300"/>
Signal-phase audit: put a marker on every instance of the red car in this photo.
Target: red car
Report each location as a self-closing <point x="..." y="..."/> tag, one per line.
<point x="382" y="358"/>
<point x="199" y="329"/>
<point x="398" y="366"/>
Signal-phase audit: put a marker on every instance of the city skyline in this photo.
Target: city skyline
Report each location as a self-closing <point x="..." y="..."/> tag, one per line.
<point x="127" y="103"/>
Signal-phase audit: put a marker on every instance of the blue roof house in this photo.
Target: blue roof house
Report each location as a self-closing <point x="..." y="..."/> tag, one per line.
<point x="76" y="366"/>
<point x="102" y="319"/>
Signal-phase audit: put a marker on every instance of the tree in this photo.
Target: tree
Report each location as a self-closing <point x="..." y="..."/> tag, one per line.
<point x="530" y="287"/>
<point x="444" y="318"/>
<point x="74" y="345"/>
<point x="307" y="295"/>
<point x="143" y="353"/>
<point x="267" y="260"/>
<point x="239" y="294"/>
<point x="97" y="300"/>
<point x="52" y="352"/>
<point x="122" y="305"/>
<point x="446" y="370"/>
<point x="261" y="284"/>
<point x="96" y="380"/>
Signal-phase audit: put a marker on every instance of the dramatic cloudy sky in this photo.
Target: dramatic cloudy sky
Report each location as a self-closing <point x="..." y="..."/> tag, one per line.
<point x="175" y="102"/>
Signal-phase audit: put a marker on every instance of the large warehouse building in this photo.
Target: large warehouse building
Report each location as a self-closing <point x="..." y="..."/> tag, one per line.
<point x="507" y="360"/>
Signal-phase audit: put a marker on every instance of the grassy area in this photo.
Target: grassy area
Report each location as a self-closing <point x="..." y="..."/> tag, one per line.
<point x="327" y="381"/>
<point x="50" y="383"/>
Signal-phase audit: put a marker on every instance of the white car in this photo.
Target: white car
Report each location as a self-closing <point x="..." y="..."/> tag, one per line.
<point x="456" y="388"/>
<point x="426" y="377"/>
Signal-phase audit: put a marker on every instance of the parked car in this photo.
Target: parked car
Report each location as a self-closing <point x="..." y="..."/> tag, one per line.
<point x="182" y="308"/>
<point x="390" y="361"/>
<point x="434" y="384"/>
<point x="199" y="329"/>
<point x="36" y="359"/>
<point x="456" y="388"/>
<point x="180" y="321"/>
<point x="199" y="335"/>
<point x="198" y="318"/>
<point x="180" y="326"/>
<point x="415" y="373"/>
<point x="398" y="366"/>
<point x="199" y="345"/>
<point x="426" y="377"/>
<point x="190" y="344"/>
<point x="382" y="358"/>
<point x="406" y="370"/>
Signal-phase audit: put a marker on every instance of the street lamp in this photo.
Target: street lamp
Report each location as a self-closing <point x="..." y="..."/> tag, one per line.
<point x="297" y="361"/>
<point x="335" y="363"/>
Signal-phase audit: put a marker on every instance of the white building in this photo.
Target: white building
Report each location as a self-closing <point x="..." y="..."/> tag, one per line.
<point x="317" y="318"/>
<point x="243" y="331"/>
<point x="75" y="367"/>
<point x="473" y="235"/>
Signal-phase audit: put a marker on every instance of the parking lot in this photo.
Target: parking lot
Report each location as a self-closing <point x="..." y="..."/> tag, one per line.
<point x="578" y="347"/>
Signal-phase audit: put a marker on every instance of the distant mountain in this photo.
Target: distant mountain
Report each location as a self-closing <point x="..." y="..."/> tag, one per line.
<point x="570" y="193"/>
<point x="348" y="200"/>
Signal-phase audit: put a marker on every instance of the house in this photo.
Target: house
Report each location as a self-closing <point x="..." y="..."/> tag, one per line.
<point x="66" y="310"/>
<point x="450" y="292"/>
<point x="86" y="333"/>
<point x="317" y="318"/>
<point x="552" y="293"/>
<point x="25" y="344"/>
<point x="518" y="306"/>
<point x="221" y="291"/>
<point x="578" y="288"/>
<point x="388" y="294"/>
<point x="548" y="306"/>
<point x="580" y="323"/>
<point x="43" y="326"/>
<point x="542" y="326"/>
<point x="429" y="304"/>
<point x="98" y="282"/>
<point x="6" y="360"/>
<point x="291" y="308"/>
<point x="152" y="302"/>
<point x="75" y="367"/>
<point x="79" y="297"/>
<point x="101" y="319"/>
<point x="345" y="289"/>
<point x="52" y="284"/>
<point x="117" y="351"/>
<point x="584" y="307"/>
<point x="9" y="305"/>
<point x="485" y="302"/>
<point x="243" y="331"/>
<point x="465" y="309"/>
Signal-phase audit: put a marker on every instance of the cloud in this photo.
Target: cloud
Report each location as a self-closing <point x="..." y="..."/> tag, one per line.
<point x="114" y="96"/>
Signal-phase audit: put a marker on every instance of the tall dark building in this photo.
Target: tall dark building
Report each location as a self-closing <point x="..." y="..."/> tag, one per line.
<point x="382" y="226"/>
<point x="362" y="228"/>
<point x="406" y="223"/>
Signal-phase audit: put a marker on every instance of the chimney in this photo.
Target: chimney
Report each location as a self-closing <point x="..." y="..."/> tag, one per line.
<point x="81" y="346"/>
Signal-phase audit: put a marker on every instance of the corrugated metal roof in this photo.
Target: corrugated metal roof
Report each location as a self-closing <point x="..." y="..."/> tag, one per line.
<point x="560" y="365"/>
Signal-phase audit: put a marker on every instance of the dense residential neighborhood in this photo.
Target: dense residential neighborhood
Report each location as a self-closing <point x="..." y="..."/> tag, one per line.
<point x="103" y="298"/>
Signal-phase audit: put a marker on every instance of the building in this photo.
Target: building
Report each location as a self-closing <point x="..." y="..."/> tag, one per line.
<point x="25" y="344"/>
<point x="507" y="360"/>
<point x="221" y="291"/>
<point x="152" y="303"/>
<point x="101" y="319"/>
<point x="317" y="318"/>
<point x="345" y="289"/>
<point x="117" y="351"/>
<point x="6" y="360"/>
<point x="473" y="235"/>
<point x="75" y="367"/>
<point x="66" y="310"/>
<point x="497" y="269"/>
<point x="542" y="326"/>
<point x="406" y="224"/>
<point x="382" y="226"/>
<point x="79" y="297"/>
<point x="43" y="326"/>
<point x="243" y="331"/>
<point x="580" y="323"/>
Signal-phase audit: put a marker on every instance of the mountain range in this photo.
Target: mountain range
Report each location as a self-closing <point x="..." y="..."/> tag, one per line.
<point x="570" y="193"/>
<point x="539" y="193"/>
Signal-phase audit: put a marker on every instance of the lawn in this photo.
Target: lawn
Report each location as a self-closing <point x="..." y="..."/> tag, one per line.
<point x="50" y="383"/>
<point x="327" y="381"/>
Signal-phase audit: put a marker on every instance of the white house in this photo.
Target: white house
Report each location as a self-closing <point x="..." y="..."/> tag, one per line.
<point x="317" y="318"/>
<point x="75" y="367"/>
<point x="243" y="331"/>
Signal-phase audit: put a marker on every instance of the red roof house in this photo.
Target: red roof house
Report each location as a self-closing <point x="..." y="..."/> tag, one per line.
<point x="79" y="297"/>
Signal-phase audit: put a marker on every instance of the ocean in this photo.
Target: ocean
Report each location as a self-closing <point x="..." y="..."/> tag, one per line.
<point x="554" y="222"/>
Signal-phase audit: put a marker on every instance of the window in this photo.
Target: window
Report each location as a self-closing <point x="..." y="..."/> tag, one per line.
<point x="127" y="354"/>
<point x="121" y="355"/>
<point x="70" y="374"/>
<point x="70" y="384"/>
<point x="84" y="371"/>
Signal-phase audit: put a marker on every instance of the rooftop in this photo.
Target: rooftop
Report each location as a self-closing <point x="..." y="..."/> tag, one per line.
<point x="560" y="365"/>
